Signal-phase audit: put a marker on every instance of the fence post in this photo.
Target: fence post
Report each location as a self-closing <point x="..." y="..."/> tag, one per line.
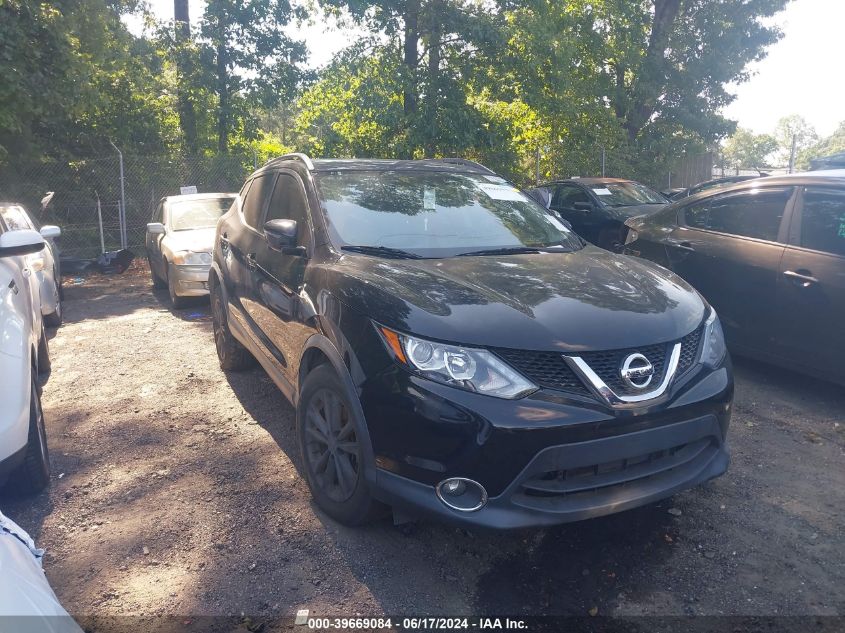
<point x="122" y="211"/>
<point x="100" y="220"/>
<point x="602" y="161"/>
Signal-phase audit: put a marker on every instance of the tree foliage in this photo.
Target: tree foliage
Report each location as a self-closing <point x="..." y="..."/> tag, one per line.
<point x="746" y="149"/>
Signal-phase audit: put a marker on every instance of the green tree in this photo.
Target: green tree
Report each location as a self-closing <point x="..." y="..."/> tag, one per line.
<point x="794" y="128"/>
<point x="253" y="61"/>
<point x="746" y="149"/>
<point x="833" y="144"/>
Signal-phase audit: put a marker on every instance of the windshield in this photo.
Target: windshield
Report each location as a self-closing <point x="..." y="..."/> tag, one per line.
<point x="436" y="214"/>
<point x="197" y="214"/>
<point x="626" y="194"/>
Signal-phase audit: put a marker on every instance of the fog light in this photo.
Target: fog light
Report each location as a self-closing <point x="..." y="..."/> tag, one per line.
<point x="464" y="495"/>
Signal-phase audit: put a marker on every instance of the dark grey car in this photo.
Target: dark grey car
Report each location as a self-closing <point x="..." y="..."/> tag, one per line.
<point x="769" y="255"/>
<point x="598" y="207"/>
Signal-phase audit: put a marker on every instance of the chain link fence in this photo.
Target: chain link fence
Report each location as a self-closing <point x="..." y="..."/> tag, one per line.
<point x="97" y="210"/>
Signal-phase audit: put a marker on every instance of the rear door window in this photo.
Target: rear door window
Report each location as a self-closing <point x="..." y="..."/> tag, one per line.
<point x="566" y="196"/>
<point x="256" y="199"/>
<point x="823" y="220"/>
<point x="755" y="214"/>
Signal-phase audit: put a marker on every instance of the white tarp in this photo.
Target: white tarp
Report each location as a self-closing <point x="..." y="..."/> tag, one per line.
<point x="27" y="603"/>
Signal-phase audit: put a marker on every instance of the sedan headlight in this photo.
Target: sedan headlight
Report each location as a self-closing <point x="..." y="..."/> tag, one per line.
<point x="713" y="351"/>
<point x="191" y="258"/>
<point x="631" y="236"/>
<point x="466" y="368"/>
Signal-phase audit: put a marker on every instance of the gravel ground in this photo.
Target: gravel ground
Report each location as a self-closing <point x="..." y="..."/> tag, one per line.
<point x="176" y="491"/>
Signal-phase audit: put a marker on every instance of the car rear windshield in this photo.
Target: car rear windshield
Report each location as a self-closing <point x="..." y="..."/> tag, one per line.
<point x="626" y="194"/>
<point x="197" y="214"/>
<point x="436" y="214"/>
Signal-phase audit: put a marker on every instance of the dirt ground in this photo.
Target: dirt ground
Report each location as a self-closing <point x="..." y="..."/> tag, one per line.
<point x="175" y="491"/>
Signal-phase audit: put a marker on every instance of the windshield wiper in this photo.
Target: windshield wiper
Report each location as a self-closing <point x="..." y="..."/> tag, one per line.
<point x="511" y="250"/>
<point x="381" y="251"/>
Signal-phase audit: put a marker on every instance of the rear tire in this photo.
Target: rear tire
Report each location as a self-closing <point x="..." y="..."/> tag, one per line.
<point x="33" y="474"/>
<point x="232" y="355"/>
<point x="331" y="451"/>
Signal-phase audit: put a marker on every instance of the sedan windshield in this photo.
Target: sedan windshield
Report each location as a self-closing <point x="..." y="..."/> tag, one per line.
<point x="436" y="214"/>
<point x="197" y="214"/>
<point x="626" y="194"/>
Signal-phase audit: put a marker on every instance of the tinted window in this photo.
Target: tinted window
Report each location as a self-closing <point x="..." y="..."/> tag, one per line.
<point x="288" y="203"/>
<point x="754" y="214"/>
<point x="566" y="197"/>
<point x="823" y="221"/>
<point x="436" y="214"/>
<point x="626" y="194"/>
<point x="15" y="218"/>
<point x="256" y="196"/>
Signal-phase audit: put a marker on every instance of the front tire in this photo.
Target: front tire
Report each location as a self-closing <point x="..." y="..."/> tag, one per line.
<point x="331" y="451"/>
<point x="158" y="282"/>
<point x="232" y="355"/>
<point x="55" y="319"/>
<point x="177" y="301"/>
<point x="33" y="474"/>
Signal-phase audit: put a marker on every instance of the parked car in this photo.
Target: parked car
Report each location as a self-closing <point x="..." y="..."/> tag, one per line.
<point x="27" y="602"/>
<point x="24" y="354"/>
<point x="769" y="254"/>
<point x="45" y="264"/>
<point x="710" y="184"/>
<point x="179" y="240"/>
<point x="598" y="207"/>
<point x="452" y="349"/>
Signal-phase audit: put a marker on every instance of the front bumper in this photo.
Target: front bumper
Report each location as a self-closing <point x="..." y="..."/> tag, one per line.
<point x="190" y="281"/>
<point x="547" y="458"/>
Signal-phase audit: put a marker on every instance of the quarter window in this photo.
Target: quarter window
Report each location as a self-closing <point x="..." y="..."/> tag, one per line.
<point x="823" y="221"/>
<point x="754" y="214"/>
<point x="256" y="197"/>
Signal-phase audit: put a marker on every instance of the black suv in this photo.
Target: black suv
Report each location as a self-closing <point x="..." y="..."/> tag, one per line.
<point x="454" y="350"/>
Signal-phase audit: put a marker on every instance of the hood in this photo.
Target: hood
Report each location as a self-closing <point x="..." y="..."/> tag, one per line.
<point x="587" y="300"/>
<point x="623" y="213"/>
<point x="197" y="240"/>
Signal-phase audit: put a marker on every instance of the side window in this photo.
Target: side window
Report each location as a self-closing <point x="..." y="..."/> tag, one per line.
<point x="566" y="196"/>
<point x="256" y="196"/>
<point x="823" y="220"/>
<point x="755" y="214"/>
<point x="15" y="218"/>
<point x="289" y="203"/>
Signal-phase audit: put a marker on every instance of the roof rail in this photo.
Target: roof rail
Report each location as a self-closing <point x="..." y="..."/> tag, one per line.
<point x="468" y="163"/>
<point x="294" y="156"/>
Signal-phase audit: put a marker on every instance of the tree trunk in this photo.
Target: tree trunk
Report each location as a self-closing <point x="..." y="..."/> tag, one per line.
<point x="652" y="74"/>
<point x="411" y="53"/>
<point x="433" y="95"/>
<point x="187" y="116"/>
<point x="222" y="94"/>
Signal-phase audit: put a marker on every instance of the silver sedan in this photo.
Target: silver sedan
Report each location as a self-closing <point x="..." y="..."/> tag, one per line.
<point x="179" y="242"/>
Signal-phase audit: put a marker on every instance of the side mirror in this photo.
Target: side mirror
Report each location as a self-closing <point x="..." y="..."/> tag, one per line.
<point x="156" y="228"/>
<point x="281" y="236"/>
<point x="50" y="231"/>
<point x="583" y="206"/>
<point x="23" y="242"/>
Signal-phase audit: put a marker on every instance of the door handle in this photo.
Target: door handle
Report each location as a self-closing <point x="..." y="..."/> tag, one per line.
<point x="683" y="245"/>
<point x="800" y="279"/>
<point x="250" y="261"/>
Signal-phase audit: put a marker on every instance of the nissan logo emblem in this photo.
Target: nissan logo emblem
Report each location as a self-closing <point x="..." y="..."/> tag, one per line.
<point x="637" y="371"/>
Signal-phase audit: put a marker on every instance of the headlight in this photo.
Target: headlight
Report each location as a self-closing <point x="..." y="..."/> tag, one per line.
<point x="190" y="258"/>
<point x="466" y="368"/>
<point x="631" y="236"/>
<point x="713" y="351"/>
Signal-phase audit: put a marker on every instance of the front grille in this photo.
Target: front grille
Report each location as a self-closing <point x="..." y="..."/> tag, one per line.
<point x="606" y="477"/>
<point x="546" y="369"/>
<point x="607" y="365"/>
<point x="551" y="371"/>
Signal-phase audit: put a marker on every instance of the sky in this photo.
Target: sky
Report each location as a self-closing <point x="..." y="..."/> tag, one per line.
<point x="801" y="75"/>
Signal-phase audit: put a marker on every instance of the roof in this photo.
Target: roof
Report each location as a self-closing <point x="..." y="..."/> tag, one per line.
<point x="455" y="165"/>
<point x="199" y="196"/>
<point x="787" y="180"/>
<point x="589" y="181"/>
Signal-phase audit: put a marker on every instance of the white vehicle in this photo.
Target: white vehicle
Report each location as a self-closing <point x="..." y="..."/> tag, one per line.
<point x="44" y="264"/>
<point x="27" y="602"/>
<point x="24" y="460"/>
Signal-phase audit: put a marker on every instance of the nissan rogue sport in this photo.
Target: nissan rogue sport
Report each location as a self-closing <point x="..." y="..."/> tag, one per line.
<point x="453" y="350"/>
